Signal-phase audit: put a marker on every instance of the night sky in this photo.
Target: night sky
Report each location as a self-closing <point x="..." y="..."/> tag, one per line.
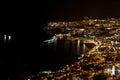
<point x="75" y="9"/>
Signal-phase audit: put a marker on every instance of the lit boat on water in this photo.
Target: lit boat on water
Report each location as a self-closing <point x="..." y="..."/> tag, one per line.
<point x="51" y="40"/>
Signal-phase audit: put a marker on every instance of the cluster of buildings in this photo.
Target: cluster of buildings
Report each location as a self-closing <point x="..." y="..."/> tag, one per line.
<point x="101" y="62"/>
<point x="90" y="26"/>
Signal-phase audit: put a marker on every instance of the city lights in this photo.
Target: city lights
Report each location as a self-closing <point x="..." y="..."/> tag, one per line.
<point x="101" y="35"/>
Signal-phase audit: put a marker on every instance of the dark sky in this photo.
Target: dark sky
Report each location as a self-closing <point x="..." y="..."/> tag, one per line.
<point x="75" y="9"/>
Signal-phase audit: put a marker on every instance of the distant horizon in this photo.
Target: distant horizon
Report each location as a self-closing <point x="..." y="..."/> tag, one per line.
<point x="78" y="19"/>
<point x="75" y="9"/>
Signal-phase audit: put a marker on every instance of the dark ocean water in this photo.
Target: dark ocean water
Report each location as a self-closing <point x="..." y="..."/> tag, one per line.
<point x="27" y="54"/>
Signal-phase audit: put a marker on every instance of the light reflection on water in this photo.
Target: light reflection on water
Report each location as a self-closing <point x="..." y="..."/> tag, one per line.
<point x="63" y="52"/>
<point x="68" y="47"/>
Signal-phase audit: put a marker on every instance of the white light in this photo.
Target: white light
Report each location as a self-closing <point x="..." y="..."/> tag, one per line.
<point x="108" y="70"/>
<point x="82" y="55"/>
<point x="9" y="37"/>
<point x="28" y="79"/>
<point x="113" y="70"/>
<point x="118" y="70"/>
<point x="5" y="37"/>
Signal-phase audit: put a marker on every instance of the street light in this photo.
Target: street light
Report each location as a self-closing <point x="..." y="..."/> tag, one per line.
<point x="108" y="71"/>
